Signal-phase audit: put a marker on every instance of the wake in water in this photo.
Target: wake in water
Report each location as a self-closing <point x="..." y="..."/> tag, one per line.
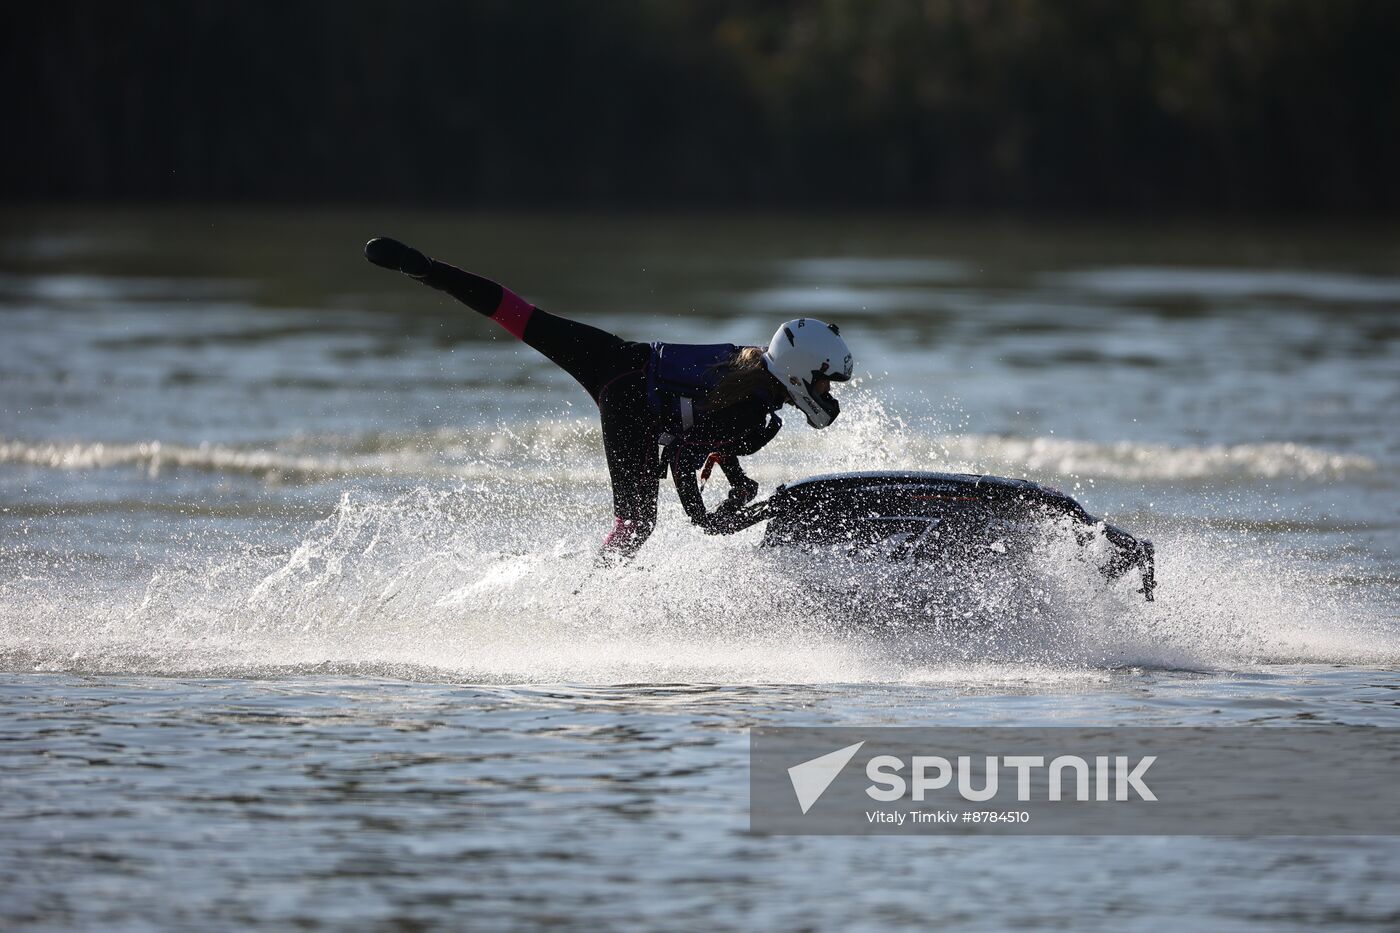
<point x="495" y="581"/>
<point x="537" y="450"/>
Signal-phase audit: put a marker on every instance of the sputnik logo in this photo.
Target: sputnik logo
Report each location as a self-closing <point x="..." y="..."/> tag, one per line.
<point x="811" y="778"/>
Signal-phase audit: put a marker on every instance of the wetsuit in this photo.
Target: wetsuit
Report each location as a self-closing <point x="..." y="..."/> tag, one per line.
<point x="640" y="411"/>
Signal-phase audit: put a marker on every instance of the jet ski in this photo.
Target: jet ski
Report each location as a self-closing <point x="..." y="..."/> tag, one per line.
<point x="925" y="517"/>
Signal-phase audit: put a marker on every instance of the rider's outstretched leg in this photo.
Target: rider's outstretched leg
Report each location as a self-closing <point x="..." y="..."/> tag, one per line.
<point x="592" y="356"/>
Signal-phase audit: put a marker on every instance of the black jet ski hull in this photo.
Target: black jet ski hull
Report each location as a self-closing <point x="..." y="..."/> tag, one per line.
<point x="914" y="516"/>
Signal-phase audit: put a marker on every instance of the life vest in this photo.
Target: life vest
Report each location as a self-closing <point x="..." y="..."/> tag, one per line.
<point x="689" y="457"/>
<point x="681" y="374"/>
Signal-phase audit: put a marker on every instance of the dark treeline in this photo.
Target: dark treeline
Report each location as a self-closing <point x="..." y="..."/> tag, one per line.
<point x="1057" y="105"/>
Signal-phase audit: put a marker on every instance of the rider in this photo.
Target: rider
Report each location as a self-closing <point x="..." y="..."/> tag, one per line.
<point x="698" y="403"/>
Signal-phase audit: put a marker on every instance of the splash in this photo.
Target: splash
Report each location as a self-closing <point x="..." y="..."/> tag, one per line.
<point x="478" y="564"/>
<point x="482" y="584"/>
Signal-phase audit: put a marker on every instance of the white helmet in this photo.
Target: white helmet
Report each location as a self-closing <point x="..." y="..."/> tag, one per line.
<point x="800" y="352"/>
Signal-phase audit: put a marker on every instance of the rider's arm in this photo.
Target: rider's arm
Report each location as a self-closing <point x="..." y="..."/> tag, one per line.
<point x="741" y="491"/>
<point x="682" y="466"/>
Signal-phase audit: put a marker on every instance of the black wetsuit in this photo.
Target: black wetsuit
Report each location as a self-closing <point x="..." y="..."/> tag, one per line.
<point x="615" y="373"/>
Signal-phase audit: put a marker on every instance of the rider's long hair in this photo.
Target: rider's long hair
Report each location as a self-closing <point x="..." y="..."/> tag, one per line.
<point x="746" y="377"/>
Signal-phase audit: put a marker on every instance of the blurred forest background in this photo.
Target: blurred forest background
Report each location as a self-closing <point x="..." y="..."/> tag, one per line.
<point x="1118" y="106"/>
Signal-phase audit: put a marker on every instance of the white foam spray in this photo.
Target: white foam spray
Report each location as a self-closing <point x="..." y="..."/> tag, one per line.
<point x="495" y="581"/>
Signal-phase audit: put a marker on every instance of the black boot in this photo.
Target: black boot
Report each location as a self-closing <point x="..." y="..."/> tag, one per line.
<point x="398" y="257"/>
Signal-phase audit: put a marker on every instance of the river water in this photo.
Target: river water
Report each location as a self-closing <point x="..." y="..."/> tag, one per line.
<point x="299" y="623"/>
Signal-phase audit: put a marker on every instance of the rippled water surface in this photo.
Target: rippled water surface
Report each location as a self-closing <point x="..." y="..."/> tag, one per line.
<point x="299" y="623"/>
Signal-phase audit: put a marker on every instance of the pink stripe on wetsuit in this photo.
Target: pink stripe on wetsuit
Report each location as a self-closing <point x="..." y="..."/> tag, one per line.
<point x="626" y="537"/>
<point x="513" y="313"/>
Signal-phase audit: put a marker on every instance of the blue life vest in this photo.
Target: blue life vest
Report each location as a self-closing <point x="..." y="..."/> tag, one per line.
<point x="681" y="374"/>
